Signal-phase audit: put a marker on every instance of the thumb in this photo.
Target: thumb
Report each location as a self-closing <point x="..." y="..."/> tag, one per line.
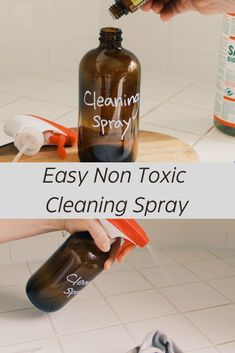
<point x="99" y="235"/>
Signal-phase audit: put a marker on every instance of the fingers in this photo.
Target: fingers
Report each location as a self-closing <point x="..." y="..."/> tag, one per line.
<point x="125" y="252"/>
<point x="167" y="8"/>
<point x="148" y="6"/>
<point x="93" y="226"/>
<point x="99" y="235"/>
<point x="173" y="8"/>
<point x="158" y="6"/>
<point x="155" y="5"/>
<point x="113" y="254"/>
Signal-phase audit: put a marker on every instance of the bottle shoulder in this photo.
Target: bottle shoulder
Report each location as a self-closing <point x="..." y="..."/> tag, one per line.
<point x="102" y="59"/>
<point x="131" y="55"/>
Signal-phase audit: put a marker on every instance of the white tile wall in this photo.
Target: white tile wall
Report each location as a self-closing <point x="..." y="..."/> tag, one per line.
<point x="23" y="58"/>
<point x="50" y="345"/>
<point x="169" y="275"/>
<point x="185" y="297"/>
<point x="94" y="341"/>
<point x="181" y="330"/>
<point x="23" y="22"/>
<point x="211" y="269"/>
<point x="12" y="275"/>
<point x="227" y="347"/>
<point x="24" y="324"/>
<point x="13" y="298"/>
<point x="83" y="316"/>
<point x="29" y="106"/>
<point x="217" y="323"/>
<point x="71" y="19"/>
<point x="49" y="33"/>
<point x="128" y="306"/>
<point x="119" y="282"/>
<point x="205" y="350"/>
<point x="187" y="32"/>
<point x="22" y="85"/>
<point x="39" y="247"/>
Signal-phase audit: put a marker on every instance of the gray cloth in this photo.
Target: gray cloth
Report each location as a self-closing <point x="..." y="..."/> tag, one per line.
<point x="157" y="342"/>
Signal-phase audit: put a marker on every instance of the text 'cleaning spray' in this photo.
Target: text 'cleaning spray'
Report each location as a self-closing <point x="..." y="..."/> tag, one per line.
<point x="77" y="262"/>
<point x="224" y="116"/>
<point x="109" y="91"/>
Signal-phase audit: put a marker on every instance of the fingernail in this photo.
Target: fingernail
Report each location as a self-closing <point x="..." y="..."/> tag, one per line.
<point x="105" y="246"/>
<point x="106" y="267"/>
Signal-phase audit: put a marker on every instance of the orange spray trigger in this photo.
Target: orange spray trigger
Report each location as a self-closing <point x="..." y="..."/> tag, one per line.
<point x="61" y="141"/>
<point x="125" y="249"/>
<point x="60" y="136"/>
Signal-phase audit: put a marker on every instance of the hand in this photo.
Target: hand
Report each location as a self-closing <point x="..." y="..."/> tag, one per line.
<point x="99" y="235"/>
<point x="18" y="229"/>
<point x="170" y="8"/>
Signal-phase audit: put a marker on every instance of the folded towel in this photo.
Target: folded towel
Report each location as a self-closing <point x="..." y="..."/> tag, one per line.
<point x="157" y="342"/>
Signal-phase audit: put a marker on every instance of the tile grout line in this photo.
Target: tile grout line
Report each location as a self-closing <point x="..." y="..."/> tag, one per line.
<point x="184" y="313"/>
<point x="207" y="282"/>
<point x="25" y="342"/>
<point x="148" y="318"/>
<point x="170" y="128"/>
<point x="203" y="136"/>
<point x="163" y="101"/>
<point x="55" y="333"/>
<point x="177" y="313"/>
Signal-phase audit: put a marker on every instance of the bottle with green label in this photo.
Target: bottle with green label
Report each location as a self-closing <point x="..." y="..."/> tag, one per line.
<point x="124" y="7"/>
<point x="224" y="115"/>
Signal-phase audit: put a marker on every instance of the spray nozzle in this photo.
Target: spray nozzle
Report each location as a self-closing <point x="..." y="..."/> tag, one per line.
<point x="29" y="141"/>
<point x="31" y="132"/>
<point x="127" y="229"/>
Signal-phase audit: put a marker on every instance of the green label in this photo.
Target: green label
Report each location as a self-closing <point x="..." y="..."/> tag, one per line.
<point x="231" y="54"/>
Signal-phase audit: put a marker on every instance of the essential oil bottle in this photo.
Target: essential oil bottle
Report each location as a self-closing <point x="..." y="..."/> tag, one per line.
<point x="109" y="91"/>
<point x="70" y="269"/>
<point x="124" y="7"/>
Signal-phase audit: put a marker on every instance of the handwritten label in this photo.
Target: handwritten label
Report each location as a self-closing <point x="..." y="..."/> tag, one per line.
<point x="91" y="99"/>
<point x="76" y="282"/>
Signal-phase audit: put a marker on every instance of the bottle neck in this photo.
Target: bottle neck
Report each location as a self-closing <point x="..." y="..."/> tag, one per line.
<point x="110" y="38"/>
<point x="118" y="10"/>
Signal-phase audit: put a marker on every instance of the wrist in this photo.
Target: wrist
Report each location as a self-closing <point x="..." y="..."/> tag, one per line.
<point x="51" y="225"/>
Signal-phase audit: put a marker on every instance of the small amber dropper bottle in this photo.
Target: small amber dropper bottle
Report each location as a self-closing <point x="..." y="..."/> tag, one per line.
<point x="124" y="7"/>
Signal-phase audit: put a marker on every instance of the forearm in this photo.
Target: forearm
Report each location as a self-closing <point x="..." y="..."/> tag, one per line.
<point x="18" y="229"/>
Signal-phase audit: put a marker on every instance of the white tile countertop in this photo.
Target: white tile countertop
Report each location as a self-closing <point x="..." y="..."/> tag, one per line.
<point x="188" y="293"/>
<point x="176" y="106"/>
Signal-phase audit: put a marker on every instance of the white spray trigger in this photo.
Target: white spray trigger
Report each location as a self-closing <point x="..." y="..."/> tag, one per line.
<point x="30" y="137"/>
<point x="113" y="232"/>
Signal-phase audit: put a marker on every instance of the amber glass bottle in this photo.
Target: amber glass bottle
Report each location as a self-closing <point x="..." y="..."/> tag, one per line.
<point x="77" y="262"/>
<point x="109" y="80"/>
<point x="123" y="7"/>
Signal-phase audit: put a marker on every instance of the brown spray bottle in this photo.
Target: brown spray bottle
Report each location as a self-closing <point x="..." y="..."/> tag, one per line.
<point x="109" y="91"/>
<point x="77" y="262"/>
